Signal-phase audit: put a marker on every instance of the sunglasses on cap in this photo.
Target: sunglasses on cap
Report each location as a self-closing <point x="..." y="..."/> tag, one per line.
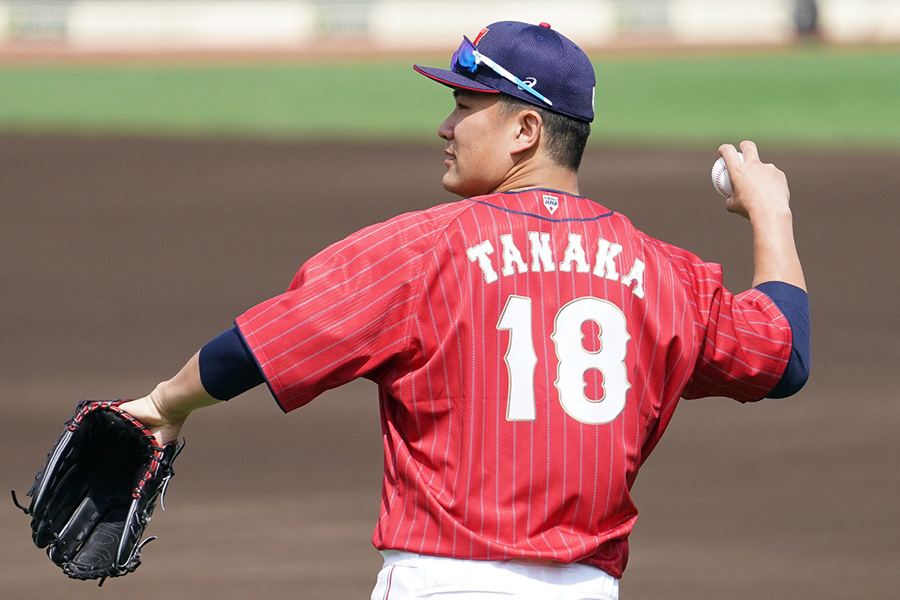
<point x="467" y="58"/>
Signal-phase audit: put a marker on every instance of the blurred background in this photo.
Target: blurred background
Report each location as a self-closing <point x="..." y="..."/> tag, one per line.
<point x="290" y="25"/>
<point x="166" y="164"/>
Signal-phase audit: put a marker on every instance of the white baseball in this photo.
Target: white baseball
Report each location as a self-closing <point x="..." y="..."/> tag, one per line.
<point x="720" y="179"/>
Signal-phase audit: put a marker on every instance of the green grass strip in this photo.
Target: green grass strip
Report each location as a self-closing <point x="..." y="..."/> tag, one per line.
<point x="810" y="97"/>
<point x="263" y="100"/>
<point x="800" y="98"/>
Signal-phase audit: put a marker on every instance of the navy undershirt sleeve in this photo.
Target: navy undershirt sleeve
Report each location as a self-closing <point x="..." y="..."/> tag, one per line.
<point x="227" y="367"/>
<point x="793" y="303"/>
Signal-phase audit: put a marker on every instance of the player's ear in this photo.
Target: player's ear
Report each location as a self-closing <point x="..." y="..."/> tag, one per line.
<point x="528" y="125"/>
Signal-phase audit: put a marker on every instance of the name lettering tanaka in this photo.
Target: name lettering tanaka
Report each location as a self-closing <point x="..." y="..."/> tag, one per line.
<point x="542" y="259"/>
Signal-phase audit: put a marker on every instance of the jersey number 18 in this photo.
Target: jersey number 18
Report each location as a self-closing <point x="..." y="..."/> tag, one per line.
<point x="574" y="360"/>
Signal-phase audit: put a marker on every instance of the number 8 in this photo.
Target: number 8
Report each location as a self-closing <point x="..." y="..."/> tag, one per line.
<point x="574" y="360"/>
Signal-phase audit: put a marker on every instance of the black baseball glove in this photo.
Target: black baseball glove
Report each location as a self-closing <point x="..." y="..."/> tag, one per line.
<point x="95" y="495"/>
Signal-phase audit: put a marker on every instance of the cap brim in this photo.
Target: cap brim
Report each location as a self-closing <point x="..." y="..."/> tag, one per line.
<point x="454" y="80"/>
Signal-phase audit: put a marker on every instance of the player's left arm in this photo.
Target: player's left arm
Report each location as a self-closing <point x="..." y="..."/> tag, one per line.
<point x="221" y="370"/>
<point x="761" y="194"/>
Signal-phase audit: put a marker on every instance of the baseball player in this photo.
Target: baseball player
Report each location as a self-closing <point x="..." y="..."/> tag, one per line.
<point x="529" y="345"/>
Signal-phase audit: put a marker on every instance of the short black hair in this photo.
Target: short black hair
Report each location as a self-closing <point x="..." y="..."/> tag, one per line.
<point x="566" y="137"/>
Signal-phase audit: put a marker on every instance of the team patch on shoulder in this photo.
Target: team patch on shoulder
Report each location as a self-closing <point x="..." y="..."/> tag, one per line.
<point x="551" y="203"/>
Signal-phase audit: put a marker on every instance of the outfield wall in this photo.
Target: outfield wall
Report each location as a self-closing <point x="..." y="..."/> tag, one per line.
<point x="424" y="24"/>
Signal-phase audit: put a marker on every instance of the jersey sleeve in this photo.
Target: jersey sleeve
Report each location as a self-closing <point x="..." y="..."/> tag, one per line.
<point x="746" y="338"/>
<point x="345" y="315"/>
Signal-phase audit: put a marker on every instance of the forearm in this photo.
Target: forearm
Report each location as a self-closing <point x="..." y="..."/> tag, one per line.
<point x="183" y="393"/>
<point x="761" y="195"/>
<point x="777" y="272"/>
<point x="221" y="370"/>
<point x="775" y="255"/>
<point x="166" y="408"/>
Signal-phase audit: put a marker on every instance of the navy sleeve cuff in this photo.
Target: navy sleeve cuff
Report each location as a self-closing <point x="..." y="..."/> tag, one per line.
<point x="793" y="303"/>
<point x="227" y="367"/>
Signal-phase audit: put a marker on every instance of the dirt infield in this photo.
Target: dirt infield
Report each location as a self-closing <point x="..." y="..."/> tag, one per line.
<point x="121" y="257"/>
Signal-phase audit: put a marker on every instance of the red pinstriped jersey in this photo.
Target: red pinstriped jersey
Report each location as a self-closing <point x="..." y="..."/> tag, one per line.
<point x="529" y="350"/>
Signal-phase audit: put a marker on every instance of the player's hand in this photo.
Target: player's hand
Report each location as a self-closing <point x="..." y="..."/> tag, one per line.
<point x="760" y="189"/>
<point x="164" y="428"/>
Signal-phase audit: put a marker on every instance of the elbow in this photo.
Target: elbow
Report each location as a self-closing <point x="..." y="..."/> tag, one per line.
<point x="795" y="376"/>
<point x="794" y="305"/>
<point x="789" y="386"/>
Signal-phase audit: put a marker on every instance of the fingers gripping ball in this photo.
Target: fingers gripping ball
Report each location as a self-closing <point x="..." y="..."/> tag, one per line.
<point x="720" y="179"/>
<point x="97" y="491"/>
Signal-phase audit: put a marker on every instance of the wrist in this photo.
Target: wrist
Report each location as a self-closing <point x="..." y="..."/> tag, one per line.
<point x="768" y="216"/>
<point x="165" y="402"/>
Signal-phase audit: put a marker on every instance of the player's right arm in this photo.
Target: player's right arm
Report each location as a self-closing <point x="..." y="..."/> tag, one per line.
<point x="761" y="194"/>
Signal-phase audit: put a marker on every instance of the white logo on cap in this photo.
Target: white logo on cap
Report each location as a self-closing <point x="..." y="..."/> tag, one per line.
<point x="530" y="81"/>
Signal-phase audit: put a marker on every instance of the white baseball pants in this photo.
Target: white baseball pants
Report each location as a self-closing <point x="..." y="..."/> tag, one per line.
<point x="408" y="576"/>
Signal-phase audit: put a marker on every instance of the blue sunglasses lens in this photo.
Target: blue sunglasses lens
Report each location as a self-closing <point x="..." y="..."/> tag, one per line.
<point x="464" y="57"/>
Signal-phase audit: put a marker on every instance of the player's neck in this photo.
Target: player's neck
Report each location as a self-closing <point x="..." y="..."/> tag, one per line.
<point x="554" y="178"/>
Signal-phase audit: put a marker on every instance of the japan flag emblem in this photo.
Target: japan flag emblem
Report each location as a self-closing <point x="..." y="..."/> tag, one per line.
<point x="551" y="203"/>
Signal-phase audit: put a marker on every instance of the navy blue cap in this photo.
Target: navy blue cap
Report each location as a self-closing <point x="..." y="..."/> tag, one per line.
<point x="543" y="58"/>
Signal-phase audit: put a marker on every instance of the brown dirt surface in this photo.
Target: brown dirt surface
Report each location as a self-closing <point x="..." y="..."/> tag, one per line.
<point x="121" y="257"/>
